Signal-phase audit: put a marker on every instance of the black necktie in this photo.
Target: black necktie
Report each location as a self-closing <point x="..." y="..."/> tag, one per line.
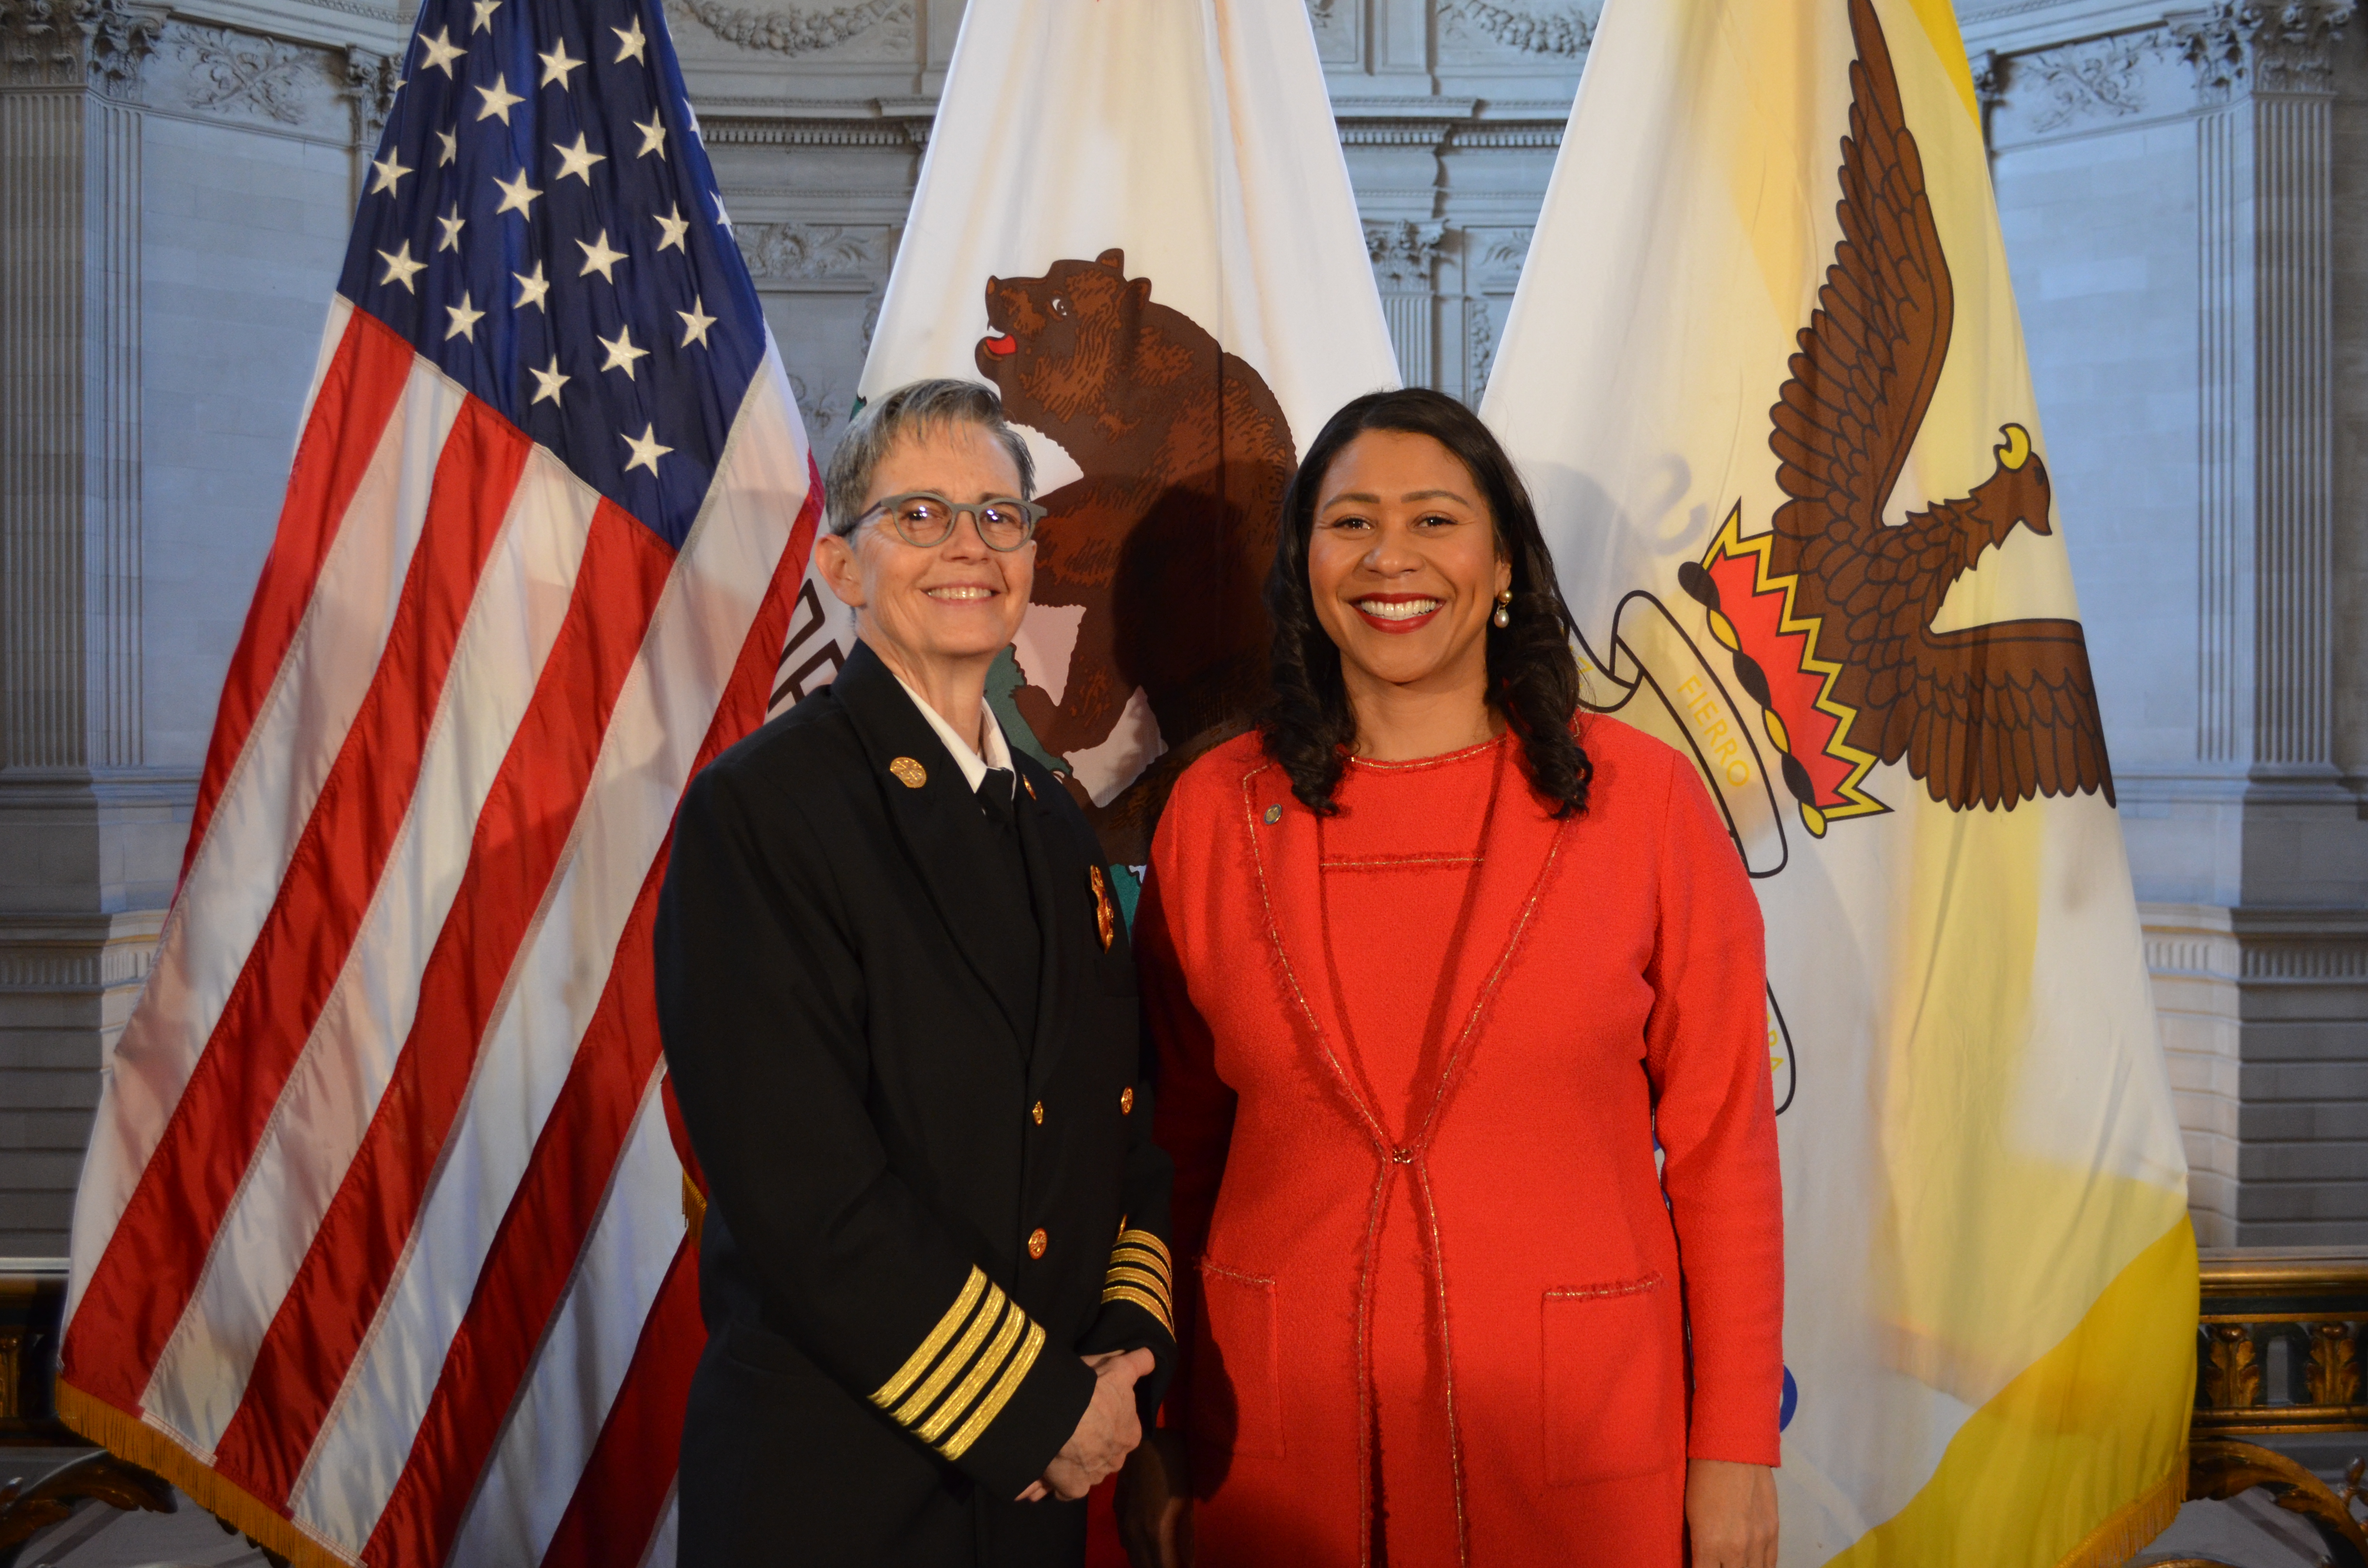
<point x="995" y="795"/>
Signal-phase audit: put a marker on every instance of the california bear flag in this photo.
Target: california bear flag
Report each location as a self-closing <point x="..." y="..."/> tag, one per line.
<point x="1135" y="221"/>
<point x="1765" y="374"/>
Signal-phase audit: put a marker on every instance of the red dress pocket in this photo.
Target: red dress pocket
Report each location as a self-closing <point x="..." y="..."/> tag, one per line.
<point x="1236" y="1388"/>
<point x="1615" y="1394"/>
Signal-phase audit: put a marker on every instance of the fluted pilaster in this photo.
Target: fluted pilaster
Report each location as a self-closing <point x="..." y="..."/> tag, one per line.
<point x="70" y="555"/>
<point x="1405" y="264"/>
<point x="2265" y="643"/>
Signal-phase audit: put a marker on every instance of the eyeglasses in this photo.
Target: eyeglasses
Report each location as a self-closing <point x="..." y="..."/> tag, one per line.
<point x="926" y="520"/>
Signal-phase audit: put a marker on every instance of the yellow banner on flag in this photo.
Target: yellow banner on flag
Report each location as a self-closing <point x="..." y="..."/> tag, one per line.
<point x="1766" y="377"/>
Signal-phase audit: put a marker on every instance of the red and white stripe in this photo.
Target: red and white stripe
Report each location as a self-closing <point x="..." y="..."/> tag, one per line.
<point x="382" y="1222"/>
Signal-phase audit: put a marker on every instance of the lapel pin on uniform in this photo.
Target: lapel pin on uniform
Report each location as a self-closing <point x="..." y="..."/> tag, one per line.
<point x="1273" y="815"/>
<point x="1105" y="915"/>
<point x="910" y="774"/>
<point x="1026" y="785"/>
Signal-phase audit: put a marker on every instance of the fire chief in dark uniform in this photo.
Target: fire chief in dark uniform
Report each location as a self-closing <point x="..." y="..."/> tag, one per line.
<point x="899" y="1012"/>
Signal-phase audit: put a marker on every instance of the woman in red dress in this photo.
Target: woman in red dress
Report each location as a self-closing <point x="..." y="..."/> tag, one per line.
<point x="1434" y="962"/>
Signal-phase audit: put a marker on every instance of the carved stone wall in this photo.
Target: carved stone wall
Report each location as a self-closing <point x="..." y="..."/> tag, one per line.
<point x="817" y="280"/>
<point x="1406" y="263"/>
<point x="2193" y="956"/>
<point x="173" y="185"/>
<point x="69" y="326"/>
<point x="2167" y="175"/>
<point x="70" y="619"/>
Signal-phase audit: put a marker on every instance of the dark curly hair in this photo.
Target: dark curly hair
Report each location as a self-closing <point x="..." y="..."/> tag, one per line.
<point x="1533" y="677"/>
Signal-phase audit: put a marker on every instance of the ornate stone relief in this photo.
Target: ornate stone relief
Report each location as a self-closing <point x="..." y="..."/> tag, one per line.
<point x="1500" y="256"/>
<point x="239" y="71"/>
<point x="1404" y="253"/>
<point x="1479" y="346"/>
<point x="823" y="260"/>
<point x="790" y="30"/>
<point x="338" y="96"/>
<point x="1337" y="24"/>
<point x="372" y="80"/>
<point x="66" y="42"/>
<point x="2231" y="47"/>
<point x="2089" y="81"/>
<point x="815" y="250"/>
<point x="1989" y="79"/>
<point x="1563" y="33"/>
<point x="2279" y="47"/>
<point x="1493" y="258"/>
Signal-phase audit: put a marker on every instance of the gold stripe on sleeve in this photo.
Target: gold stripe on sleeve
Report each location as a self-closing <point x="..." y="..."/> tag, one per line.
<point x="1133" y="1257"/>
<point x="889" y="1392"/>
<point x="1150" y="1243"/>
<point x="1156" y="1305"/>
<point x="1128" y="1274"/>
<point x="1005" y="1387"/>
<point x="1140" y="1271"/>
<point x="958" y="1360"/>
<point x="981" y="1369"/>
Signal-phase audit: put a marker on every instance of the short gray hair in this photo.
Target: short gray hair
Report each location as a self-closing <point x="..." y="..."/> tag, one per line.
<point x="916" y="408"/>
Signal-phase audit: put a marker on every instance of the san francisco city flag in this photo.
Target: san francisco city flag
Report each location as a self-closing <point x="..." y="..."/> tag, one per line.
<point x="1766" y="376"/>
<point x="1135" y="221"/>
<point x="379" y="1248"/>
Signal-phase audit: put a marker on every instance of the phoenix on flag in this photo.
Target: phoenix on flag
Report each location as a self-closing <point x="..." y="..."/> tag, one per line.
<point x="1766" y="377"/>
<point x="379" y="1251"/>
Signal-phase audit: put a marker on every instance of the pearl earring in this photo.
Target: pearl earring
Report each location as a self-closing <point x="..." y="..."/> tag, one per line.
<point x="1504" y="615"/>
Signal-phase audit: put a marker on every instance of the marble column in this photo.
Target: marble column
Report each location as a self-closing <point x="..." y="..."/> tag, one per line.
<point x="2266" y="669"/>
<point x="1406" y="261"/>
<point x="2265" y="216"/>
<point x="86" y="832"/>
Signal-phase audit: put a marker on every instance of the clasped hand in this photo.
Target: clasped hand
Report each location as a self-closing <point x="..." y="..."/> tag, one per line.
<point x="1106" y="1434"/>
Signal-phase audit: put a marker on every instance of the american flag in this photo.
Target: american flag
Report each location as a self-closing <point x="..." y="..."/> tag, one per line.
<point x="380" y="1250"/>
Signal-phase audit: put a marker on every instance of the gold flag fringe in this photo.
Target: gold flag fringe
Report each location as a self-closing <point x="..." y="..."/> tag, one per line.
<point x="128" y="1437"/>
<point x="2134" y="1525"/>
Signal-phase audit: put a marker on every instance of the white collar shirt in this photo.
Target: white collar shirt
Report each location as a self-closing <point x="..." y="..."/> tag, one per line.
<point x="966" y="757"/>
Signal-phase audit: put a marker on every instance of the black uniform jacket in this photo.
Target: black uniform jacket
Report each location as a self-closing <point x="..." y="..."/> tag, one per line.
<point x="930" y="1190"/>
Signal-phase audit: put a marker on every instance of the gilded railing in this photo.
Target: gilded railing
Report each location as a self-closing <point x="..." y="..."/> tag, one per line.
<point x="2277" y="1346"/>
